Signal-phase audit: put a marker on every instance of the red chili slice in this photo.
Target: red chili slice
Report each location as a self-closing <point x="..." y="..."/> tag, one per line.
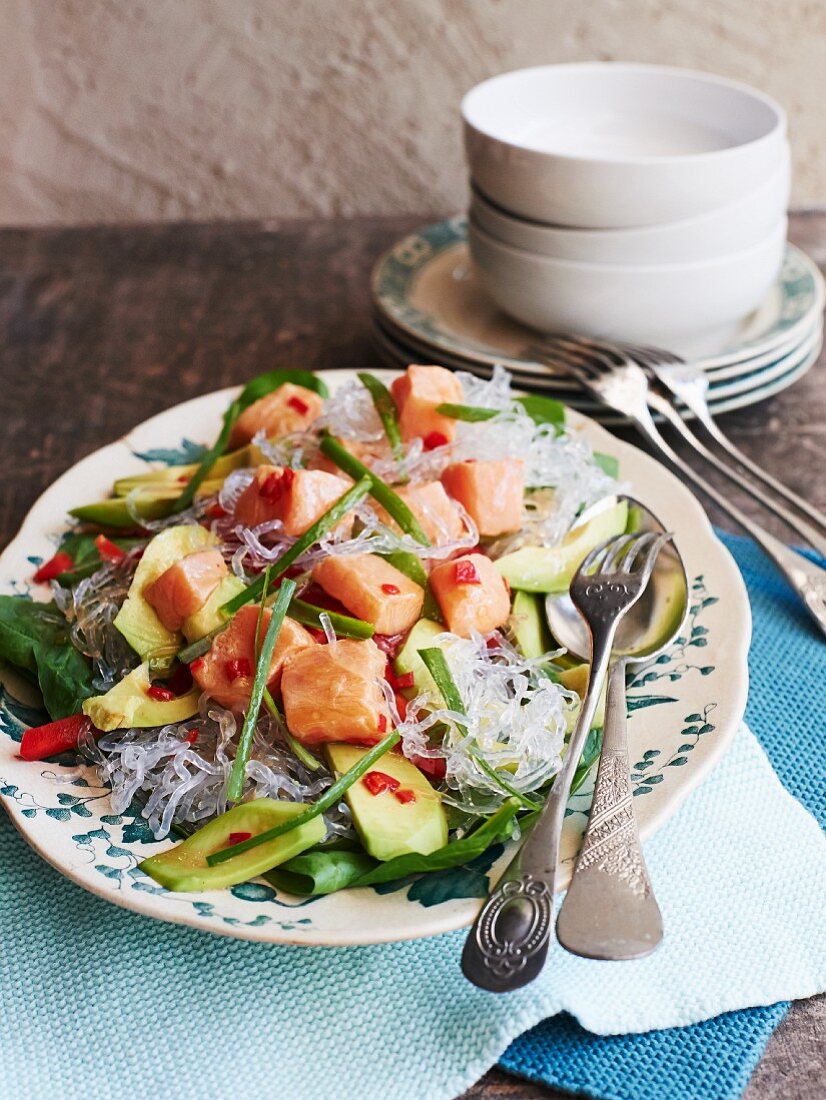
<point x="237" y="666"/>
<point x="376" y="782"/>
<point x="405" y="795"/>
<point x="161" y="694"/>
<point x="195" y="665"/>
<point x="381" y="724"/>
<point x="406" y="680"/>
<point x="434" y="439"/>
<point x="108" y="550"/>
<point x="237" y="838"/>
<point x="390" y="644"/>
<point x="401" y="706"/>
<point x="465" y="572"/>
<point x="216" y="511"/>
<point x="391" y="589"/>
<point x="191" y="737"/>
<point x="180" y="681"/>
<point x="319" y="635"/>
<point x="40" y="742"/>
<point x="51" y="569"/>
<point x="299" y="405"/>
<point x="433" y="766"/>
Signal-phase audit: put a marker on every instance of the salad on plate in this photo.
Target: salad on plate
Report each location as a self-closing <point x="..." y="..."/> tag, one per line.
<point x="318" y="654"/>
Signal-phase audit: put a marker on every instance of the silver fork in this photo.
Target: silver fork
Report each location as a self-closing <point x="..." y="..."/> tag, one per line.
<point x="618" y="382"/>
<point x="689" y="385"/>
<point x="508" y="944"/>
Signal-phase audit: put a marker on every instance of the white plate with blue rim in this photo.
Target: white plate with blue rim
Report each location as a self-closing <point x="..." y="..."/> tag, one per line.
<point x="425" y="290"/>
<point x="685" y="708"/>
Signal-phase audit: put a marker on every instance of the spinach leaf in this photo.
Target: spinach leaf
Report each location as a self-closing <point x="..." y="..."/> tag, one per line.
<point x="609" y="464"/>
<point x="322" y="871"/>
<point x="543" y="410"/>
<point x="455" y="853"/>
<point x="35" y="637"/>
<point x="590" y="755"/>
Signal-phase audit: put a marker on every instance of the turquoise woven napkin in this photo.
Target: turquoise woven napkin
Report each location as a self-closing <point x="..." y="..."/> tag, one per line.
<point x="99" y="1001"/>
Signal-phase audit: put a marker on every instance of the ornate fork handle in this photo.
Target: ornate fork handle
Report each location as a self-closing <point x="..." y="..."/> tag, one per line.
<point x="610" y="911"/>
<point x="508" y="943"/>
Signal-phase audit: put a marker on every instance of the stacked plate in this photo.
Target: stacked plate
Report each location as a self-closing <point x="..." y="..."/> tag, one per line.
<point x="431" y="307"/>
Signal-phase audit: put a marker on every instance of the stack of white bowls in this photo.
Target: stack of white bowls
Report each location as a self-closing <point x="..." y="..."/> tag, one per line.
<point x="631" y="202"/>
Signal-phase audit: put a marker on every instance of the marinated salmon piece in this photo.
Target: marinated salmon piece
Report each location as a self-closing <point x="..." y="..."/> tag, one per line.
<point x="296" y="497"/>
<point x="417" y="393"/>
<point x="373" y="590"/>
<point x="438" y="515"/>
<point x="290" y="408"/>
<point x="332" y="693"/>
<point x="185" y="587"/>
<point x="471" y="594"/>
<point x="226" y="671"/>
<point x="492" y="492"/>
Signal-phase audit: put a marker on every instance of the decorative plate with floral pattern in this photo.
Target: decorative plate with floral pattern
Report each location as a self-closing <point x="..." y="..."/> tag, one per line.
<point x="684" y="709"/>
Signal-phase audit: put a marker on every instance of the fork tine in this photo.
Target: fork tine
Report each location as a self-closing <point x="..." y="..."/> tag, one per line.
<point x="642" y="542"/>
<point x="646" y="566"/>
<point x="594" y="557"/>
<point x="619" y="547"/>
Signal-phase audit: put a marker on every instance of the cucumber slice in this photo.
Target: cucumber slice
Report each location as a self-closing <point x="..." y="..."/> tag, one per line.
<point x="527" y="623"/>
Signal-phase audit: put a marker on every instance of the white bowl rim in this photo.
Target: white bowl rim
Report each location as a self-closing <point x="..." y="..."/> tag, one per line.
<point x="629" y="269"/>
<point x="617" y="232"/>
<point x="640" y="67"/>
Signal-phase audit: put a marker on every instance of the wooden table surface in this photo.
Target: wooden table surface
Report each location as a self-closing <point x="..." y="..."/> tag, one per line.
<point x="102" y="327"/>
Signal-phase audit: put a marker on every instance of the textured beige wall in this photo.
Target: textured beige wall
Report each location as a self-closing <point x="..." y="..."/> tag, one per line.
<point x="160" y="109"/>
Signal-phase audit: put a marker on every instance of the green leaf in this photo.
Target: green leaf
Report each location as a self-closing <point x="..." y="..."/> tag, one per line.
<point x="471" y="413"/>
<point x="590" y="754"/>
<point x="456" y="853"/>
<point x="323" y="871"/>
<point x="607" y="463"/>
<point x="35" y="637"/>
<point x="678" y="761"/>
<point x="543" y="410"/>
<point x="687" y="747"/>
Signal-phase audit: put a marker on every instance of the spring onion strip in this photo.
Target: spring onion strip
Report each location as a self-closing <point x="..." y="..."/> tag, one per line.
<point x="379" y="490"/>
<point x="408" y="563"/>
<point x="198" y="648"/>
<point x="471" y="413"/>
<point x="343" y="625"/>
<point x="262" y="604"/>
<point x="304" y="755"/>
<point x="388" y="413"/>
<point x="438" y="668"/>
<point x="330" y="797"/>
<point x="253" y="391"/>
<point x="321" y="527"/>
<point x="235" y="789"/>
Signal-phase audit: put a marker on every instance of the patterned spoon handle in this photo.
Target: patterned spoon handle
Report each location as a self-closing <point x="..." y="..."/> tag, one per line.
<point x="610" y="911"/>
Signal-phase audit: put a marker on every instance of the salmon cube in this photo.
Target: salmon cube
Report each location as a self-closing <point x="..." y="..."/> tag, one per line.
<point x="226" y="671"/>
<point x="290" y="408"/>
<point x="417" y="394"/>
<point x="471" y="594"/>
<point x="332" y="693"/>
<point x="185" y="587"/>
<point x="373" y="590"/>
<point x="439" y="517"/>
<point x="296" y="497"/>
<point x="492" y="492"/>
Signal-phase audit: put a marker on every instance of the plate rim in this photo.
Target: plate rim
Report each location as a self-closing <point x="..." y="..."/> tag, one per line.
<point x="707" y="362"/>
<point x="44" y="507"/>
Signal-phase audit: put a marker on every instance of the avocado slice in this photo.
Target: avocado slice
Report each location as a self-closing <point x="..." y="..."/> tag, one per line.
<point x="137" y="620"/>
<point x="421" y="636"/>
<point x="527" y="623"/>
<point x="153" y="501"/>
<point x="209" y="618"/>
<point x="127" y="704"/>
<point x="184" y="867"/>
<point x="388" y="827"/>
<point x="177" y="476"/>
<point x="576" y="679"/>
<point x="550" y="568"/>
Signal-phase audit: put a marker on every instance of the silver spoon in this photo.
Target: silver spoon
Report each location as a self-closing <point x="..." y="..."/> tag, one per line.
<point x="610" y="911"/>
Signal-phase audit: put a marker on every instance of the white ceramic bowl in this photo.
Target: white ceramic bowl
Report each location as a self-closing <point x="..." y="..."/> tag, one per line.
<point x="731" y="228"/>
<point x="607" y="145"/>
<point x="666" y="304"/>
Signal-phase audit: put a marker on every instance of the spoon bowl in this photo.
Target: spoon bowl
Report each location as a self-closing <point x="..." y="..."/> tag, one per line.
<point x="653" y="622"/>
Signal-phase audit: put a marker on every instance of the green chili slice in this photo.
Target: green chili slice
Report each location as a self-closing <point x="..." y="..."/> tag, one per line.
<point x="321" y="527"/>
<point x="379" y="490"/>
<point x="239" y="768"/>
<point x="330" y="797"/>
